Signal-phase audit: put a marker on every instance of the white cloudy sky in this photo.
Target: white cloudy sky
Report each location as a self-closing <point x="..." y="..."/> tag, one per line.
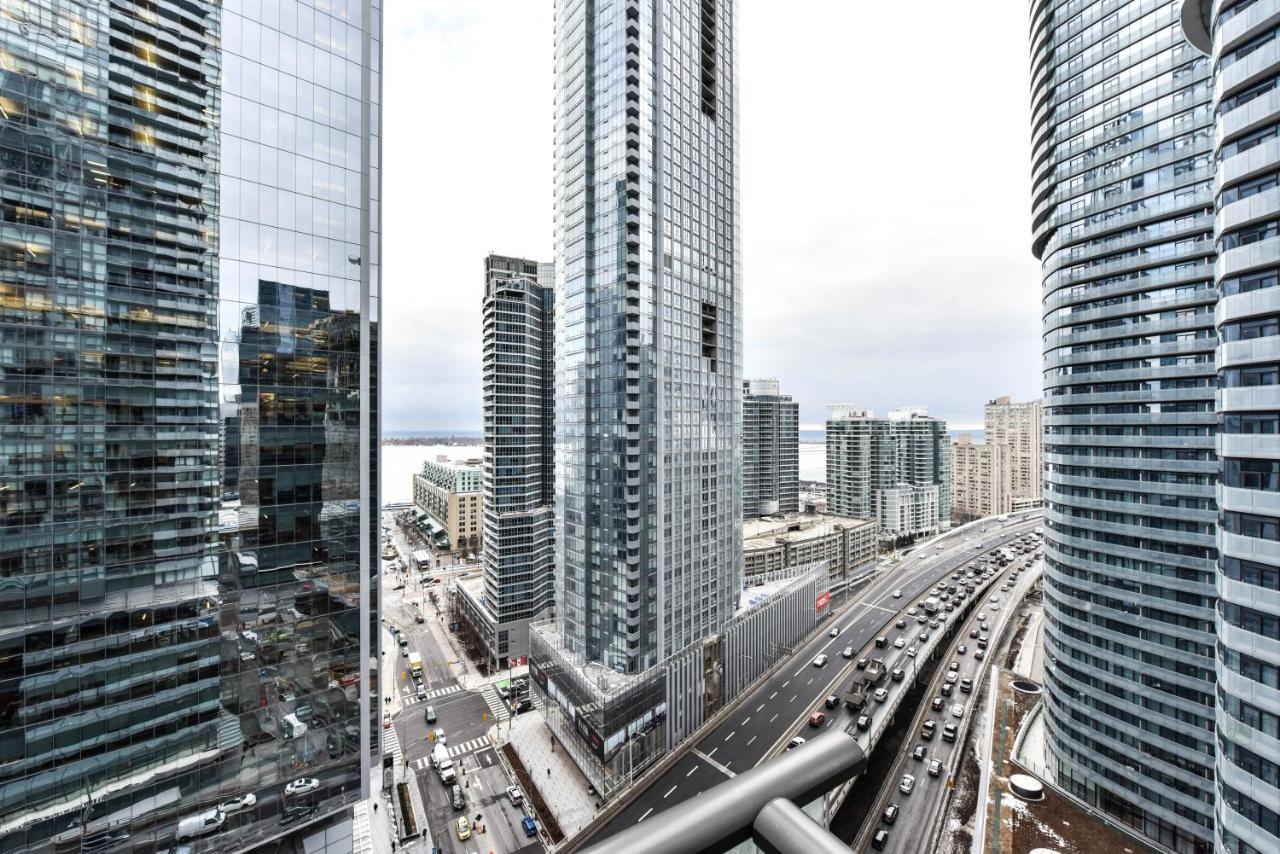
<point x="885" y="198"/>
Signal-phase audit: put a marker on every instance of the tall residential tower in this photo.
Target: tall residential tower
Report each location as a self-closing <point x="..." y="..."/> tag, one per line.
<point x="1245" y="55"/>
<point x="648" y="327"/>
<point x="896" y="470"/>
<point x="519" y="429"/>
<point x="1017" y="429"/>
<point x="189" y="425"/>
<point x="1122" y="220"/>
<point x="770" y="450"/>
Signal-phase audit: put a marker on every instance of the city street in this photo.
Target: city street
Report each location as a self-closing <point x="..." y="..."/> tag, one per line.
<point x="465" y="716"/>
<point x="772" y="710"/>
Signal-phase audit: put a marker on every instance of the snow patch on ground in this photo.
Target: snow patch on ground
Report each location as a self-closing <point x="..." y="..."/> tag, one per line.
<point x="1027" y="651"/>
<point x="1033" y="752"/>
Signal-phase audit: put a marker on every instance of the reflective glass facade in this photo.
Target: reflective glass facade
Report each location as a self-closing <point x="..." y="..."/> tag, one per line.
<point x="189" y="420"/>
<point x="1122" y="221"/>
<point x="1241" y="39"/>
<point x="648" y="332"/>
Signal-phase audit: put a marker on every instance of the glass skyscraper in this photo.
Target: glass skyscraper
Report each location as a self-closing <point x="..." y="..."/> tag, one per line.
<point x="189" y="420"/>
<point x="1122" y="175"/>
<point x="1241" y="39"/>
<point x="770" y="450"/>
<point x="648" y="327"/>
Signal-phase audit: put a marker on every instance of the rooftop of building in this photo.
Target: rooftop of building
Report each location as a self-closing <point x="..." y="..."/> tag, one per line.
<point x="795" y="528"/>
<point x="468" y="464"/>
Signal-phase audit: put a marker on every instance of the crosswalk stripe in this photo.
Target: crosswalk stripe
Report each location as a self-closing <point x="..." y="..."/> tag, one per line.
<point x="496" y="706"/>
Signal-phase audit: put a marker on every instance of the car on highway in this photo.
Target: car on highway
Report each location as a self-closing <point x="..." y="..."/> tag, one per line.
<point x="962" y="649"/>
<point x="933" y="624"/>
<point x="890" y="814"/>
<point x="937" y="704"/>
<point x="817" y="719"/>
<point x="949" y="731"/>
<point x="973" y="633"/>
<point x="820" y="660"/>
<point x="952" y="676"/>
<point x="945" y="690"/>
<point x="201" y="824"/>
<point x="880" y="839"/>
<point x="881" y="695"/>
<point x="957" y="710"/>
<point x="919" y="753"/>
<point x="847" y="652"/>
<point x="994" y="600"/>
<point x="924" y="637"/>
<point x="898" y="674"/>
<point x="935" y="767"/>
<point x="864" y="721"/>
<point x="463" y="827"/>
<point x="240" y="802"/>
<point x="912" y="611"/>
<point x="955" y="665"/>
<point x="301" y="786"/>
<point x="862" y="663"/>
<point x="902" y="624"/>
<point x="927" y="729"/>
<point x="882" y="641"/>
<point x="897" y="594"/>
<point x="911" y="652"/>
<point x="966" y="685"/>
<point x="833" y="701"/>
<point x="907" y="784"/>
<point x="835" y="631"/>
<point x="900" y="643"/>
<point x="795" y="742"/>
<point x="979" y="654"/>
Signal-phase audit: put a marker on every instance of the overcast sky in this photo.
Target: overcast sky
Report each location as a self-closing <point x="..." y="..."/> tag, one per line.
<point x="885" y="199"/>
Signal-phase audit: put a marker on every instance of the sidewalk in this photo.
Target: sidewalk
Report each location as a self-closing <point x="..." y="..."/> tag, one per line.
<point x="564" y="789"/>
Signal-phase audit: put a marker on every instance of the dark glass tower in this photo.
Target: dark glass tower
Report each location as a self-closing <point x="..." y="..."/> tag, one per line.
<point x="188" y="420"/>
<point x="770" y="450"/>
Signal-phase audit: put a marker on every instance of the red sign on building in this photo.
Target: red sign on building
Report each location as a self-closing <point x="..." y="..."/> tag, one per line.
<point x="823" y="600"/>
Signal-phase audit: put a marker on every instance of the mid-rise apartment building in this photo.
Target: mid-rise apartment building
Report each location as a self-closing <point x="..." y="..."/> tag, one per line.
<point x="1123" y="221"/>
<point x="895" y="470"/>
<point x="1017" y="429"/>
<point x="770" y="450"/>
<point x="450" y="494"/>
<point x="979" y="480"/>
<point x="189" y="431"/>
<point x="519" y="434"/>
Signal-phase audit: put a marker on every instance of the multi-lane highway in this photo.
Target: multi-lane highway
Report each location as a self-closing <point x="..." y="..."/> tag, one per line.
<point x="932" y="745"/>
<point x="761" y="724"/>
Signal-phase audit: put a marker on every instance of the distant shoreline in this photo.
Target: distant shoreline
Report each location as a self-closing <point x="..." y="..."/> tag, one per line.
<point x="433" y="439"/>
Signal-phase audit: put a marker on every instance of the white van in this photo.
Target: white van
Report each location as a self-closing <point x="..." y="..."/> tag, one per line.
<point x="199" y="825"/>
<point x="291" y="727"/>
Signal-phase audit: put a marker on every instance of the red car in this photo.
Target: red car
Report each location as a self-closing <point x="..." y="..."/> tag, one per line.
<point x="817" y="719"/>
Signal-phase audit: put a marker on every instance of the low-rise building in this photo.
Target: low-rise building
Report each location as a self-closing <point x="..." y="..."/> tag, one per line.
<point x="782" y="542"/>
<point x="448" y="494"/>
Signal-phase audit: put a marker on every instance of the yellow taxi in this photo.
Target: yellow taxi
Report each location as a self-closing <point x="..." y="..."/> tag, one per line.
<point x="464" y="828"/>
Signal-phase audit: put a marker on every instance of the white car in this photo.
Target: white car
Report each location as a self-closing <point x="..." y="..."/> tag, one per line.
<point x="908" y="783"/>
<point x="301" y="786"/>
<point x="820" y="660"/>
<point x="911" y="652"/>
<point x="199" y="825"/>
<point x="251" y="637"/>
<point x="835" y="630"/>
<point x="957" y="710"/>
<point x="897" y="594"/>
<point x="848" y="652"/>
<point x="241" y="802"/>
<point x="881" y="695"/>
<point x="899" y="643"/>
<point x="795" y="742"/>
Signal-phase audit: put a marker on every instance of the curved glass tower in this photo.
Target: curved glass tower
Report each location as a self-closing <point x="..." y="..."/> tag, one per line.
<point x="1123" y="224"/>
<point x="1241" y="38"/>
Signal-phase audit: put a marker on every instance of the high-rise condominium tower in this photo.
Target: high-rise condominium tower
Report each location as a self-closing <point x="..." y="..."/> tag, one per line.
<point x="770" y="450"/>
<point x="519" y="429"/>
<point x="979" y="480"/>
<point x="1018" y="430"/>
<point x="648" y="327"/>
<point x="896" y="470"/>
<point x="1245" y="57"/>
<point x="189" y="425"/>
<point x="1122" y="221"/>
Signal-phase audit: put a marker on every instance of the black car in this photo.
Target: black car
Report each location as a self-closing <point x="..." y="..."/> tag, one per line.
<point x="523" y="706"/>
<point x="946" y="689"/>
<point x="966" y="685"/>
<point x="919" y="753"/>
<point x="833" y="701"/>
<point x="456" y="797"/>
<point x="864" y="722"/>
<point x="898" y="674"/>
<point x="880" y="840"/>
<point x="890" y="814"/>
<point x="902" y="624"/>
<point x="862" y="664"/>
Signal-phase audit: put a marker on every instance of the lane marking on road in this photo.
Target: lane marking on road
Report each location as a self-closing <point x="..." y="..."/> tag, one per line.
<point x="691" y="770"/>
<point x="753" y="738"/>
<point x="772" y="719"/>
<point x="793" y="697"/>
<point x="810" y="682"/>
<point x="730" y="735"/>
<point x="669" y="791"/>
<point x="788" y="682"/>
<point x="747" y="718"/>
<point x="774" y="694"/>
<point x="714" y="764"/>
<point x="759" y="708"/>
<point x="646" y="815"/>
<point x="713" y="752"/>
<point x="797" y="673"/>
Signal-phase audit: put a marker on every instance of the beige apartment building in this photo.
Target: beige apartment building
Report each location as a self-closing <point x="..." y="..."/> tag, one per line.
<point x="978" y="480"/>
<point x="449" y="497"/>
<point x="783" y="542"/>
<point x="1018" y="429"/>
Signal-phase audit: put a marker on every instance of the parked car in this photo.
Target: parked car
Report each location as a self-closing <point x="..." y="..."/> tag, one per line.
<point x="530" y="827"/>
<point x="515" y="795"/>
